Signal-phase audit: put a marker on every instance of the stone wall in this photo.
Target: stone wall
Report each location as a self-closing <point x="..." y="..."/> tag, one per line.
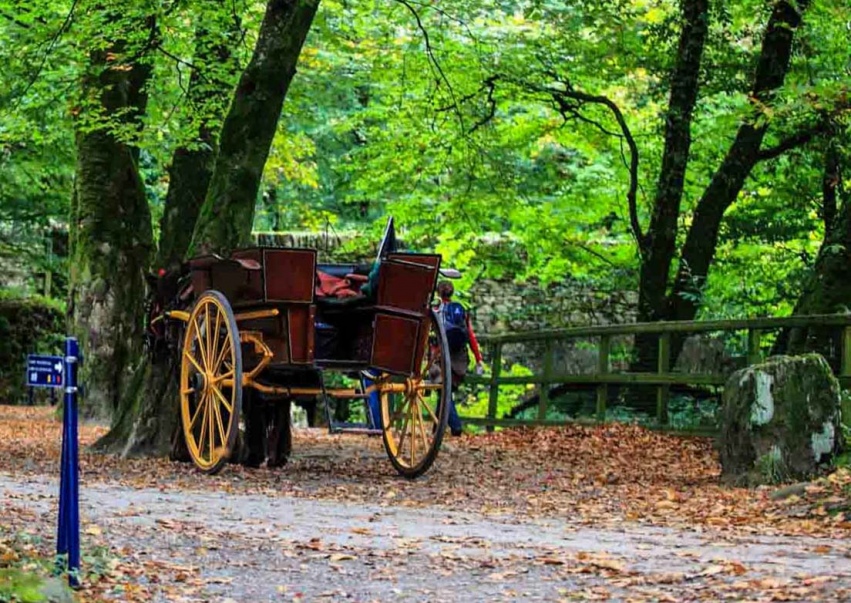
<point x="503" y="306"/>
<point x="499" y="306"/>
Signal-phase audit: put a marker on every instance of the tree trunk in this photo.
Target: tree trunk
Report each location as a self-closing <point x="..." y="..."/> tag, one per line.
<point x="681" y="302"/>
<point x="727" y="182"/>
<point x="192" y="165"/>
<point x="828" y="289"/>
<point x="659" y="245"/>
<point x="149" y="419"/>
<point x="111" y="235"/>
<point x="228" y="212"/>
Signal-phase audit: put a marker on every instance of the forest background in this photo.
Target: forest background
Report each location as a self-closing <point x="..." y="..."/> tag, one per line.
<point x="694" y="153"/>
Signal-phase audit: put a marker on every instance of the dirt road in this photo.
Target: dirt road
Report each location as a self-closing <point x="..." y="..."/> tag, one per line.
<point x="178" y="545"/>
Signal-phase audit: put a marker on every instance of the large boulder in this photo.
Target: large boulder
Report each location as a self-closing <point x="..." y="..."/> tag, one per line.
<point x="780" y="421"/>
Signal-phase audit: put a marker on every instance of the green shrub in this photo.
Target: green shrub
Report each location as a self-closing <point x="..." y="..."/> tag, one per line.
<point x="27" y="325"/>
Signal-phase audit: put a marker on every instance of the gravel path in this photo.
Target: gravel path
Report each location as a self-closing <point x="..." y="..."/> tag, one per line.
<point x="238" y="547"/>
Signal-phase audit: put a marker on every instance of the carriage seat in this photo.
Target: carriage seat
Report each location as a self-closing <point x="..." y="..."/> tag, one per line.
<point x="342" y="285"/>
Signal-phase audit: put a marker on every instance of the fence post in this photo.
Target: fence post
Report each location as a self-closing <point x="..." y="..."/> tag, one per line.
<point x="754" y="350"/>
<point x="603" y="369"/>
<point x="544" y="398"/>
<point x="493" y="391"/>
<point x="663" y="390"/>
<point x="846" y="352"/>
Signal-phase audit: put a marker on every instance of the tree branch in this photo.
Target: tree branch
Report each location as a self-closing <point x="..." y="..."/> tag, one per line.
<point x="632" y="194"/>
<point x="490" y="84"/>
<point x="701" y="242"/>
<point x="54" y="39"/>
<point x="15" y="20"/>
<point x="798" y="139"/>
<point x="435" y="64"/>
<point x="825" y="125"/>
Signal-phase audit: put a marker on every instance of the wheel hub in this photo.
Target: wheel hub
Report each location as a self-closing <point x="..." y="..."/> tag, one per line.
<point x="412" y="385"/>
<point x="200" y="383"/>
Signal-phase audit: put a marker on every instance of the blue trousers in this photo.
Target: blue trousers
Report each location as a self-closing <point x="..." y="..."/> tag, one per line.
<point x="374" y="406"/>
<point x="454" y="419"/>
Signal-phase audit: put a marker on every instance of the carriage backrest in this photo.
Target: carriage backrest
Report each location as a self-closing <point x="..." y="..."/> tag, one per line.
<point x="258" y="275"/>
<point x="406" y="281"/>
<point x="406" y="284"/>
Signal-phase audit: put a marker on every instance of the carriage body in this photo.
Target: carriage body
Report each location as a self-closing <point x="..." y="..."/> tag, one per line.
<point x="258" y="321"/>
<point x="273" y="295"/>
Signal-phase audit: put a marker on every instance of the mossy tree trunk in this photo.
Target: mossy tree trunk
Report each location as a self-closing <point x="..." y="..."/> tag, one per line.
<point x="228" y="212"/>
<point x="111" y="224"/>
<point x="147" y="418"/>
<point x="148" y="421"/>
<point x="192" y="163"/>
<point x="828" y="288"/>
<point x="658" y="245"/>
<point x="660" y="297"/>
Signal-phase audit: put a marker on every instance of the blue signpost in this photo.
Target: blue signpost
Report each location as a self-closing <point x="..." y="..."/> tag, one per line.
<point x="68" y="537"/>
<point x="58" y="372"/>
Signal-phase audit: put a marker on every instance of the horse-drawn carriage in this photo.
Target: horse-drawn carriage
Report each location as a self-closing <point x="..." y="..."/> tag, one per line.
<point x="262" y="320"/>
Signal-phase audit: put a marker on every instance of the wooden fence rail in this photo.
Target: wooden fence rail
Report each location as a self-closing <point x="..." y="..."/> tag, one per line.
<point x="662" y="379"/>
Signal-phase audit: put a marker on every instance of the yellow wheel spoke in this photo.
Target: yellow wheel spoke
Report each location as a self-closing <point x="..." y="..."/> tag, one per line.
<point x="223" y="377"/>
<point x="194" y="362"/>
<point x="413" y="415"/>
<point x="197" y="411"/>
<point x="221" y="397"/>
<point x="425" y="436"/>
<point x="397" y="414"/>
<point x="429" y="410"/>
<point x="208" y="338"/>
<point x="220" y="358"/>
<point x="214" y="347"/>
<point x="200" y="341"/>
<point x="220" y="424"/>
<point x="210" y="430"/>
<point x="402" y="435"/>
<point x="203" y="434"/>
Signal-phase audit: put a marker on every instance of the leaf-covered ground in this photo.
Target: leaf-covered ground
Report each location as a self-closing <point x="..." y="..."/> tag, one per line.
<point x="608" y="513"/>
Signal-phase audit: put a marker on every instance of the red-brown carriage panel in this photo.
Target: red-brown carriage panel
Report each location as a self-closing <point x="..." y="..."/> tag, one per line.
<point x="394" y="343"/>
<point x="270" y="278"/>
<point x="239" y="281"/>
<point x="301" y="331"/>
<point x="405" y="287"/>
<point x="253" y="279"/>
<point x="406" y="281"/>
<point x="290" y="275"/>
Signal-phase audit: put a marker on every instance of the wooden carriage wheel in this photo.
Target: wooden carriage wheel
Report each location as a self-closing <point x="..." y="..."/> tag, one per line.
<point x="414" y="421"/>
<point x="211" y="382"/>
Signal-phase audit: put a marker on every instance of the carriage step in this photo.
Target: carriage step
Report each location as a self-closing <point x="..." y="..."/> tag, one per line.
<point x="353" y="428"/>
<point x="348" y="394"/>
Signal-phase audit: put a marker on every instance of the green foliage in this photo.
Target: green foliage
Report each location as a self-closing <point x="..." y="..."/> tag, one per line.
<point x="473" y="401"/>
<point x="16" y="585"/>
<point x="28" y="572"/>
<point x="27" y="326"/>
<point x="456" y="133"/>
